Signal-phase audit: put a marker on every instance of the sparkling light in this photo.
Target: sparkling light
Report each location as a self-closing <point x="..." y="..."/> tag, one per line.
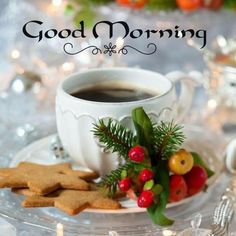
<point x="18" y="86"/>
<point x="222" y="42"/>
<point x="4" y="95"/>
<point x="212" y="104"/>
<point x="15" y="54"/>
<point x="119" y="43"/>
<point x="68" y="66"/>
<point x="37" y="88"/>
<point x="56" y="3"/>
<point x="20" y="132"/>
<point x="167" y="232"/>
<point x="60" y="229"/>
<point x="113" y="233"/>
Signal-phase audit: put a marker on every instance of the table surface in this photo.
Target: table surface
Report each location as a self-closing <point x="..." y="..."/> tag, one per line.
<point x="172" y="55"/>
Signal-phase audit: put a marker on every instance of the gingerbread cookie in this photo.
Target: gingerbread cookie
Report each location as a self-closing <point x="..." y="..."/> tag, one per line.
<point x="24" y="191"/>
<point x="27" y="192"/>
<point x="72" y="201"/>
<point x="43" y="179"/>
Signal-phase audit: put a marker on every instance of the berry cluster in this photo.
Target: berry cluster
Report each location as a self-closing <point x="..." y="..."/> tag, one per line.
<point x="155" y="170"/>
<point x="146" y="197"/>
<point x="186" y="179"/>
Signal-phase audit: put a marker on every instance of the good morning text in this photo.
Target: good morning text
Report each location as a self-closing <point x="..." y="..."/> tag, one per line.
<point x="39" y="33"/>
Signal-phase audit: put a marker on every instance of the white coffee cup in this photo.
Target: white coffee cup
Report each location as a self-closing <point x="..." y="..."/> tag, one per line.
<point x="231" y="156"/>
<point x="75" y="116"/>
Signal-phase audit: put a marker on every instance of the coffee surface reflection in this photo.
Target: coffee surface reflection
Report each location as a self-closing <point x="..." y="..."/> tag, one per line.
<point x="113" y="94"/>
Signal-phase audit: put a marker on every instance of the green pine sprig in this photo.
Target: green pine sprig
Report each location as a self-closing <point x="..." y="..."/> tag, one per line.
<point x="160" y="140"/>
<point x="115" y="137"/>
<point x="168" y="138"/>
<point x="110" y="182"/>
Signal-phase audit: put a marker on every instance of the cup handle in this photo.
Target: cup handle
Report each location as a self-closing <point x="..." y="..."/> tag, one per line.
<point x="231" y="157"/>
<point x="188" y="83"/>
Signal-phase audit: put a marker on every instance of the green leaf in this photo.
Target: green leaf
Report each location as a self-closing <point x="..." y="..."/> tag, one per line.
<point x="143" y="127"/>
<point x="148" y="185"/>
<point x="199" y="161"/>
<point x="69" y="9"/>
<point x="156" y="212"/>
<point x="157" y="189"/>
<point x="123" y="174"/>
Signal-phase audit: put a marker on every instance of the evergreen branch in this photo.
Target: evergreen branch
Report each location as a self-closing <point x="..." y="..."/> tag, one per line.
<point x="115" y="137"/>
<point x="110" y="181"/>
<point x="168" y="137"/>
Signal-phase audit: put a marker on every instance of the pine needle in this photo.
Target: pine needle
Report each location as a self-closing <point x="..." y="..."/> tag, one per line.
<point x="115" y="137"/>
<point x="109" y="182"/>
<point x="168" y="137"/>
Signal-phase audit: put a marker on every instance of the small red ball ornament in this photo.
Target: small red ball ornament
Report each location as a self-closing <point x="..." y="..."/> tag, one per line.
<point x="125" y="184"/>
<point x="137" y="154"/>
<point x="145" y="199"/>
<point x="146" y="175"/>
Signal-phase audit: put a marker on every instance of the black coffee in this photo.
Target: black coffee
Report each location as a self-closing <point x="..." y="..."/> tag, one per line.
<point x="113" y="94"/>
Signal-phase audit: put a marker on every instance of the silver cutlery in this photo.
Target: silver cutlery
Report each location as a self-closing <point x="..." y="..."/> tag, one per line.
<point x="223" y="213"/>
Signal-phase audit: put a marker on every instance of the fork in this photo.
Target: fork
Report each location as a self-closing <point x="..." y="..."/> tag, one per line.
<point x="223" y="214"/>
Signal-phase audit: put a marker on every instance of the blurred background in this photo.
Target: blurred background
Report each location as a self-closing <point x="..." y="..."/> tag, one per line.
<point x="31" y="70"/>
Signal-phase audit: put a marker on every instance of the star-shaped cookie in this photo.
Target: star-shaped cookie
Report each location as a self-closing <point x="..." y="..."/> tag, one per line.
<point x="72" y="201"/>
<point x="44" y="179"/>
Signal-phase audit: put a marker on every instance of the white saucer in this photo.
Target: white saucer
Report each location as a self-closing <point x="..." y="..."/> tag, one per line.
<point x="39" y="152"/>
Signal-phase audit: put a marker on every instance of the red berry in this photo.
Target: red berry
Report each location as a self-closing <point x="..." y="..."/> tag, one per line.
<point x="125" y="184"/>
<point x="178" y="188"/>
<point x="146" y="175"/>
<point x="137" y="154"/>
<point x="196" y="179"/>
<point x="145" y="199"/>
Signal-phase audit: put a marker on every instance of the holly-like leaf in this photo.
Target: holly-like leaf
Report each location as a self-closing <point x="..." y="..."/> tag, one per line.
<point x="123" y="174"/>
<point x="144" y="128"/>
<point x="156" y="211"/>
<point x="157" y="189"/>
<point x="199" y="161"/>
<point x="148" y="185"/>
